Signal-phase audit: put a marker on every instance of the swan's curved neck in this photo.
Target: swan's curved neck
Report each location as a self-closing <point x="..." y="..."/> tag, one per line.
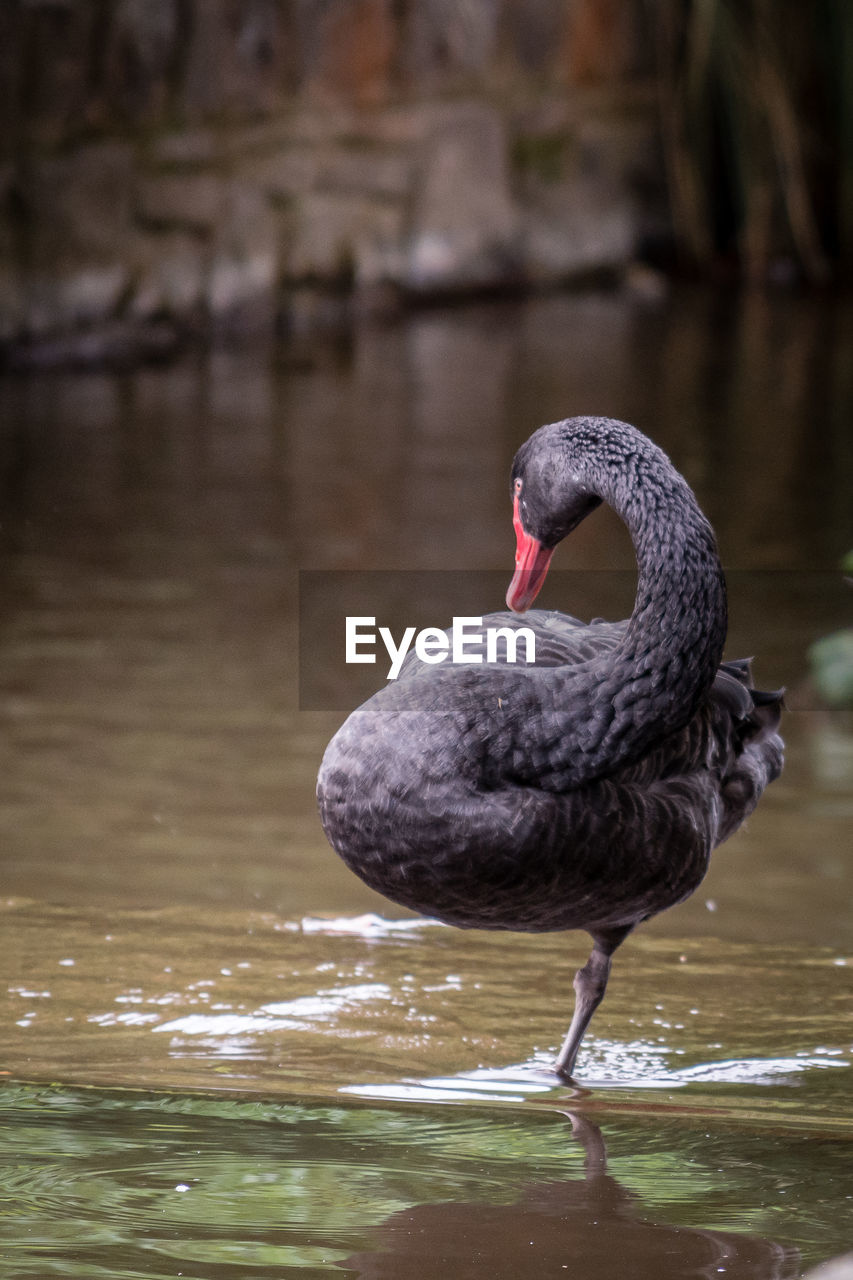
<point x="678" y="625"/>
<point x="651" y="684"/>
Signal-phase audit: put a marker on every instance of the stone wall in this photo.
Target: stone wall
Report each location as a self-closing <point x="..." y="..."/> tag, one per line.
<point x="175" y="165"/>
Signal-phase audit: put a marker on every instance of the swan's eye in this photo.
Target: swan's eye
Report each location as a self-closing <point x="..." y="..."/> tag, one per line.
<point x="518" y="486"/>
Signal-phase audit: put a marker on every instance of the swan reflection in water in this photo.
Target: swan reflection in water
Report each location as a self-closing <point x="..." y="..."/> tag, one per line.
<point x="591" y="1227"/>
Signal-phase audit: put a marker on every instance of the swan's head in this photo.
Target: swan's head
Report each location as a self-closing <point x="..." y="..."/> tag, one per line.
<point x="549" y="498"/>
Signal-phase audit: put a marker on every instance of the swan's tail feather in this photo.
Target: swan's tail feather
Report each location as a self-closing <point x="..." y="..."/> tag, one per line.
<point x="760" y="710"/>
<point x="741" y="668"/>
<point x="763" y="699"/>
<point x="758" y="758"/>
<point x="766" y="714"/>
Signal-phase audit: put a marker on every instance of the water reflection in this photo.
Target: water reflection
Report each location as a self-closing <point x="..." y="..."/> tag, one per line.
<point x="132" y="1184"/>
<point x="592" y="1227"/>
<point x="392" y="450"/>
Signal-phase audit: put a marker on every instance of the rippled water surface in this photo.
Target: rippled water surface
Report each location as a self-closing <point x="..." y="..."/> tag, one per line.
<point x="225" y="1057"/>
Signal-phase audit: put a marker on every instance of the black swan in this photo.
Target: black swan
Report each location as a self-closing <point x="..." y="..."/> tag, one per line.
<point x="587" y="789"/>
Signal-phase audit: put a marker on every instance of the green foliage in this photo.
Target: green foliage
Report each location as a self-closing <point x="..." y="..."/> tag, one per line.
<point x="831" y="660"/>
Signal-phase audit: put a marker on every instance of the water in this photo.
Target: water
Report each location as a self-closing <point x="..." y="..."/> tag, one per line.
<point x="165" y="1186"/>
<point x="225" y="1056"/>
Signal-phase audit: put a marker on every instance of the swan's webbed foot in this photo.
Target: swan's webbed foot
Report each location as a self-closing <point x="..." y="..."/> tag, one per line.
<point x="590" y="985"/>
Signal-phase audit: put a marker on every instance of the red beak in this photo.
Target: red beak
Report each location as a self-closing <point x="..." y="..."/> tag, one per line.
<point x="531" y="566"/>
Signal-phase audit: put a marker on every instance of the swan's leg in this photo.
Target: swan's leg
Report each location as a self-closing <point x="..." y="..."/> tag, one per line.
<point x="590" y="985"/>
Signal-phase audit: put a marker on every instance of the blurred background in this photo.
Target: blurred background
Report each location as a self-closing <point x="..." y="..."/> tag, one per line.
<point x="172" y="167"/>
<point x="283" y="286"/>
